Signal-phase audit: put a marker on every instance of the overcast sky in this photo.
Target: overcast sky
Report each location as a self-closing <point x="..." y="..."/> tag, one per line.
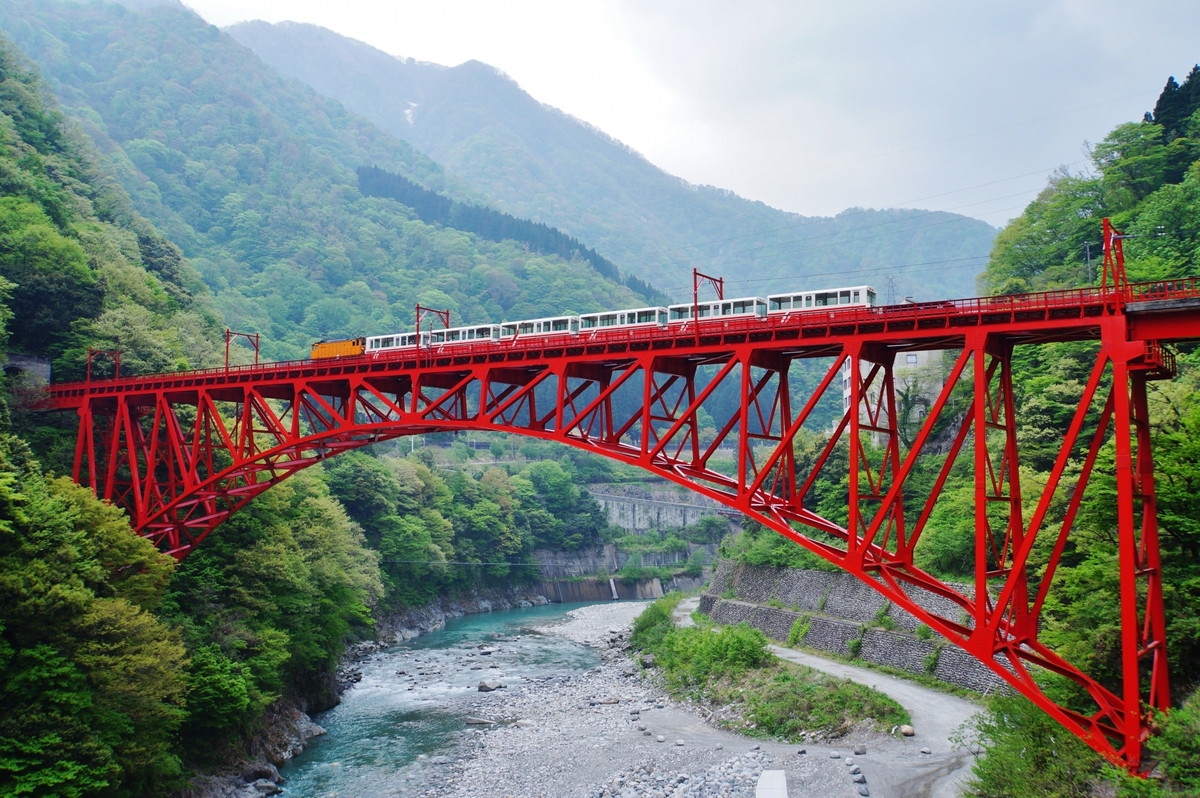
<point x="813" y="107"/>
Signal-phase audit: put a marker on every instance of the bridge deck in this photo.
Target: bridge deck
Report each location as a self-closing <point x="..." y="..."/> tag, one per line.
<point x="1157" y="311"/>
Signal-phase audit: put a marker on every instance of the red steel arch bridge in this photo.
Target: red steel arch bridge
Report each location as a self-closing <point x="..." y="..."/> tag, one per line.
<point x="182" y="451"/>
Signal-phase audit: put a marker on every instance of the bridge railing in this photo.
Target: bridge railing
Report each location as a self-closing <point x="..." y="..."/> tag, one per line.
<point x="1181" y="288"/>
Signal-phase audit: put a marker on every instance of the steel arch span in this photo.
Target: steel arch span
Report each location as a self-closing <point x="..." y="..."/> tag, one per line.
<point x="727" y="409"/>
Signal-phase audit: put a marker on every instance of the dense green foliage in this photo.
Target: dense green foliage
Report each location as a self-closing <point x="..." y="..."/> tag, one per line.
<point x="85" y="268"/>
<point x="116" y="674"/>
<point x="438" y="533"/>
<point x="434" y="208"/>
<point x="92" y="683"/>
<point x="1043" y="760"/>
<point x="731" y="666"/>
<point x="1145" y="177"/>
<point x="267" y="605"/>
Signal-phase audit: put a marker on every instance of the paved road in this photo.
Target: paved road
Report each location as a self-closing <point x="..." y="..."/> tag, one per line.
<point x="935" y="716"/>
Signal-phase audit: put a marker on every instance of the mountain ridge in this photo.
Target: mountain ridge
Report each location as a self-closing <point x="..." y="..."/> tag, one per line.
<point x="534" y="161"/>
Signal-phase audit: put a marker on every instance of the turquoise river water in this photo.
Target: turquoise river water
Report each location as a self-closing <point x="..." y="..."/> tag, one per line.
<point x="411" y="703"/>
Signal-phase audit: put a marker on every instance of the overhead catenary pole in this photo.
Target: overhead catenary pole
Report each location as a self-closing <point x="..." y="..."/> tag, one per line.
<point x="444" y="315"/>
<point x="718" y="284"/>
<point x="113" y="354"/>
<point x="251" y="337"/>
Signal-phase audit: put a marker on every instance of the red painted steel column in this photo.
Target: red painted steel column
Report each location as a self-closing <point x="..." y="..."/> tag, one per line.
<point x="854" y="515"/>
<point x="977" y="344"/>
<point x="1142" y="621"/>
<point x="1153" y="627"/>
<point x="1126" y="544"/>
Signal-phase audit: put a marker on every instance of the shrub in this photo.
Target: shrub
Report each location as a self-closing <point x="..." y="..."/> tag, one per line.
<point x="654" y="623"/>
<point x="1177" y="745"/>
<point x="882" y="619"/>
<point x="799" y="630"/>
<point x="692" y="655"/>
<point x="787" y="701"/>
<point x="1027" y="753"/>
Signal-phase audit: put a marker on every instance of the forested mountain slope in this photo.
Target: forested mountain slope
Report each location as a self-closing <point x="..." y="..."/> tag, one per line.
<point x="79" y="266"/>
<point x="254" y="177"/>
<point x="537" y="162"/>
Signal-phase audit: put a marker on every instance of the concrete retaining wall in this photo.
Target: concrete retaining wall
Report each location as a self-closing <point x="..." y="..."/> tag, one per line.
<point x="838" y="609"/>
<point x="600" y="589"/>
<point x="642" y="507"/>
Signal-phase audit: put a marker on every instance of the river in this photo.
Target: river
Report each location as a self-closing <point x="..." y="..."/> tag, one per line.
<point x="409" y="707"/>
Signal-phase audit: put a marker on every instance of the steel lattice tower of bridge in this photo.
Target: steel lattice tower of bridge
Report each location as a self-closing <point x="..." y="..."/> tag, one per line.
<point x="183" y="451"/>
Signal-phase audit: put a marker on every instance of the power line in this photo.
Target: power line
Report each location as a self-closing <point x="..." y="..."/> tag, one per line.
<point x="460" y="562"/>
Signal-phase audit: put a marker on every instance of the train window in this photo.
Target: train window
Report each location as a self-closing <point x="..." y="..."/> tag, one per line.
<point x="870" y="297"/>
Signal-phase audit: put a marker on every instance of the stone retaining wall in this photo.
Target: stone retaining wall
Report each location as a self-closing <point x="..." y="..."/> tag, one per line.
<point x="842" y="615"/>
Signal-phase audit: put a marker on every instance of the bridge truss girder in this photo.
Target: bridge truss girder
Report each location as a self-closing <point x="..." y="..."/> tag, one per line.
<point x="183" y="460"/>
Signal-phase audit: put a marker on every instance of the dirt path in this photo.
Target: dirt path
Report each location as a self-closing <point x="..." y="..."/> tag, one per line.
<point x="900" y="769"/>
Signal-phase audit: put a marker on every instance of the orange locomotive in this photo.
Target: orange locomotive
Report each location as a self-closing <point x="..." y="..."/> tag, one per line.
<point x="350" y="346"/>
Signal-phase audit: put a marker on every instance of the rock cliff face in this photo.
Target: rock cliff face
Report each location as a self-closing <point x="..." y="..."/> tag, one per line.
<point x="396" y="627"/>
<point x="836" y="612"/>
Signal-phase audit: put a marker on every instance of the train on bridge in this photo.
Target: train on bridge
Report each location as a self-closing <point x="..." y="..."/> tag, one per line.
<point x="633" y="318"/>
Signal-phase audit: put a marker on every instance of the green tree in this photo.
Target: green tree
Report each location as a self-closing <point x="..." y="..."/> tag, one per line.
<point x="1132" y="160"/>
<point x="50" y="273"/>
<point x="91" y="683"/>
<point x="1028" y="754"/>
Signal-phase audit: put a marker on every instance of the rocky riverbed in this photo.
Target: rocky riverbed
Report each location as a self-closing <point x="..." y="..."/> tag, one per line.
<point x="611" y="733"/>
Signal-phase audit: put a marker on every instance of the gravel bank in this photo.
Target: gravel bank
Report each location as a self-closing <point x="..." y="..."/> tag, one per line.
<point x="609" y="733"/>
